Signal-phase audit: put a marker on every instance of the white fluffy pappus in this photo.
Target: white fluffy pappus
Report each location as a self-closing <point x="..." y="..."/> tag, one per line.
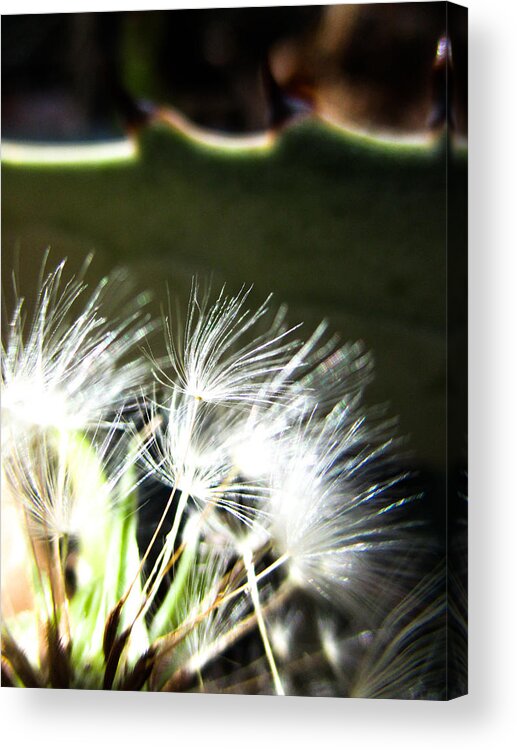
<point x="69" y="367"/>
<point x="64" y="481"/>
<point x="329" y="518"/>
<point x="317" y="376"/>
<point x="221" y="356"/>
<point x="190" y="452"/>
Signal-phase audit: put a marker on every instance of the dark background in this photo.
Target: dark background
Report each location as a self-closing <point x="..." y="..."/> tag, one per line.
<point x="372" y="66"/>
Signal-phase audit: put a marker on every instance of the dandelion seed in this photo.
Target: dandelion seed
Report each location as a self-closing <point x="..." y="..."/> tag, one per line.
<point x="65" y="481"/>
<point x="190" y="453"/>
<point x="65" y="368"/>
<point x="329" y="520"/>
<point x="213" y="361"/>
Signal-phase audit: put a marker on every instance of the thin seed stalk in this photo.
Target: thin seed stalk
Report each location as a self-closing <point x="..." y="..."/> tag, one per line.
<point x="255" y="597"/>
<point x="229" y="638"/>
<point x="162" y="518"/>
<point x="163" y="559"/>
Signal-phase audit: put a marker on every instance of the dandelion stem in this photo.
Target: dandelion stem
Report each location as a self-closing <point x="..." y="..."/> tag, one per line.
<point x="252" y="580"/>
<point x="163" y="516"/>
<point x="163" y="559"/>
<point x="231" y="636"/>
<point x="263" y="574"/>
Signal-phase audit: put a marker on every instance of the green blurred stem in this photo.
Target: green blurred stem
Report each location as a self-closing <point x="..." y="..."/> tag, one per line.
<point x="165" y="614"/>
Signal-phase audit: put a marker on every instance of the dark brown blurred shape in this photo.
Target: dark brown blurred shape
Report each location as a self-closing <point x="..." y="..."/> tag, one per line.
<point x="374" y="67"/>
<point x="237" y="70"/>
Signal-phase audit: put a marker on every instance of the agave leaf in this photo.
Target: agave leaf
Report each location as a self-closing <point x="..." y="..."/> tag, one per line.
<point x="337" y="225"/>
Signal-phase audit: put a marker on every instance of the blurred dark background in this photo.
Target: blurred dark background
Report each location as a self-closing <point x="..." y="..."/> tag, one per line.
<point x="86" y="75"/>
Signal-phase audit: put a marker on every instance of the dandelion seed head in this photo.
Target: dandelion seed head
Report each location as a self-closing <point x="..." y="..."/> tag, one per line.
<point x="265" y="440"/>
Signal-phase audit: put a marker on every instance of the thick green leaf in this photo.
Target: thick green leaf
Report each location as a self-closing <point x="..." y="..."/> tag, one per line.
<point x="337" y="226"/>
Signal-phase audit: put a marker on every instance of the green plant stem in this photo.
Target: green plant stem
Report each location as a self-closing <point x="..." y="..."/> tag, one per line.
<point x="164" y="616"/>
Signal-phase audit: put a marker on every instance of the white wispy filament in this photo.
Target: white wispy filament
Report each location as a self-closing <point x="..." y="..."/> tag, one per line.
<point x="328" y="516"/>
<point x="66" y="368"/>
<point x="215" y="359"/>
<point x="65" y="481"/>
